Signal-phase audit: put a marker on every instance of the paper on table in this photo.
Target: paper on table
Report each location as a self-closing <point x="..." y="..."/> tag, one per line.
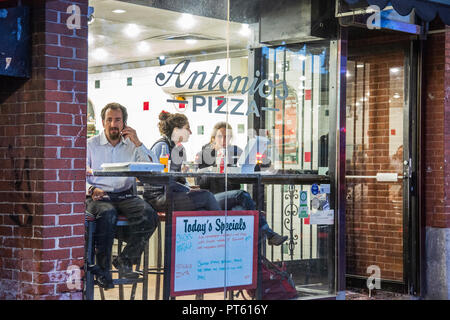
<point x="132" y="166"/>
<point x="322" y="217"/>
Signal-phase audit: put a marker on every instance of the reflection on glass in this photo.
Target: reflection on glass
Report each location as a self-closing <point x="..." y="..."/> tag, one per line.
<point x="375" y="101"/>
<point x="298" y="126"/>
<point x="161" y="59"/>
<point x="299" y="123"/>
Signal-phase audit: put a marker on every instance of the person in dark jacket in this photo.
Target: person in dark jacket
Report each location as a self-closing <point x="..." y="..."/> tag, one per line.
<point x="175" y="130"/>
<point x="234" y="197"/>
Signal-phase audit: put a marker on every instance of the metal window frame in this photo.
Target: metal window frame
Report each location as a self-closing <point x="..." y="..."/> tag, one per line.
<point x="413" y="233"/>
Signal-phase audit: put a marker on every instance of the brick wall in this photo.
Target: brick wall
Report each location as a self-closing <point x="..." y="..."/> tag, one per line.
<point x="42" y="154"/>
<point x="435" y="167"/>
<point x="444" y="221"/>
<point x="433" y="132"/>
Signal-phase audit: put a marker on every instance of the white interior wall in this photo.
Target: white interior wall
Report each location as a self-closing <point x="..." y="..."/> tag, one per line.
<point x="113" y="88"/>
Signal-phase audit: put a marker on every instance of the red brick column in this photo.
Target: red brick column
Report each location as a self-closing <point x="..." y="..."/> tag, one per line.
<point x="444" y="221"/>
<point x="436" y="167"/>
<point x="433" y="135"/>
<point x="42" y="154"/>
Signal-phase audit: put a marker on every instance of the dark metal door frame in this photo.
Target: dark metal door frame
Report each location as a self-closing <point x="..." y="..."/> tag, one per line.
<point x="411" y="210"/>
<point x="413" y="268"/>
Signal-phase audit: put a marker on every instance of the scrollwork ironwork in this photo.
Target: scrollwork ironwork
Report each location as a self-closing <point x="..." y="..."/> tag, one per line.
<point x="290" y="211"/>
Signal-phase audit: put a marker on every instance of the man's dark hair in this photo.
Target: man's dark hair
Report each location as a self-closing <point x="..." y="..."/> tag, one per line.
<point x="115" y="106"/>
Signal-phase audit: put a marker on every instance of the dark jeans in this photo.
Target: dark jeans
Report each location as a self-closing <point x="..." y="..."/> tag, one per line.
<point x="194" y="200"/>
<point x="142" y="220"/>
<point x="241" y="200"/>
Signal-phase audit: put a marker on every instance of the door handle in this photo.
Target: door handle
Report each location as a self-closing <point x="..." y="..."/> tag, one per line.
<point x="380" y="177"/>
<point x="407" y="169"/>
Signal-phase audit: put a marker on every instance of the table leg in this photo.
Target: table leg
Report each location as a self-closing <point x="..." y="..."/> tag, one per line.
<point x="260" y="206"/>
<point x="168" y="243"/>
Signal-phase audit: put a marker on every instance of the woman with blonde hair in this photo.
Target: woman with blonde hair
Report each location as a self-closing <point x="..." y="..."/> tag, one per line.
<point x="234" y="197"/>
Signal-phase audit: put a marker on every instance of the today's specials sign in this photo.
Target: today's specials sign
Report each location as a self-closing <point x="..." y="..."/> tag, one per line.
<point x="212" y="250"/>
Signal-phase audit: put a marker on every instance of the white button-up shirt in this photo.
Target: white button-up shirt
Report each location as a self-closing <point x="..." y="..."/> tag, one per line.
<point x="100" y="150"/>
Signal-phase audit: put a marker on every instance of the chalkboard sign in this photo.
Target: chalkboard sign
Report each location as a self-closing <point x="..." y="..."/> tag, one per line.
<point x="212" y="250"/>
<point x="15" y="56"/>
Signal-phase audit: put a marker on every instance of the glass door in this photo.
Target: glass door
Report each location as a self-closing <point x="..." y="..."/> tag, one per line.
<point x="379" y="165"/>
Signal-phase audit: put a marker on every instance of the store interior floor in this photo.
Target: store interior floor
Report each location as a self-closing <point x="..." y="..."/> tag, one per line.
<point x="363" y="294"/>
<point x="351" y="294"/>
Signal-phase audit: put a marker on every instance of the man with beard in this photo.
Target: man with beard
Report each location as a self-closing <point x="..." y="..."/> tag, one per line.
<point x="108" y="197"/>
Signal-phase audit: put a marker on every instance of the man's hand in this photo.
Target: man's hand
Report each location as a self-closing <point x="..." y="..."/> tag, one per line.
<point x="130" y="133"/>
<point x="98" y="194"/>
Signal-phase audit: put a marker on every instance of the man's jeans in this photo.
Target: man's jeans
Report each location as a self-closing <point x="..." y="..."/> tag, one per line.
<point x="194" y="200"/>
<point x="240" y="200"/>
<point x="142" y="222"/>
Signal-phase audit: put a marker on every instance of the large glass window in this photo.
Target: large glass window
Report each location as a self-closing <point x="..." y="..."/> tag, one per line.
<point x="257" y="118"/>
<point x="299" y="125"/>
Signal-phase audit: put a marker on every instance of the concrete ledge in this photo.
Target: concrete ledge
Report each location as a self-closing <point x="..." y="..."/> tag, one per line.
<point x="437" y="273"/>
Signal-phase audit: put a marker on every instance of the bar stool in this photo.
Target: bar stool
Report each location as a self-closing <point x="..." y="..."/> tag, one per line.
<point x="90" y="266"/>
<point x="122" y="222"/>
<point x="159" y="269"/>
<point x="89" y="257"/>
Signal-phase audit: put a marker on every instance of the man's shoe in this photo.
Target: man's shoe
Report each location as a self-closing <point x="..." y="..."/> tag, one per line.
<point x="104" y="282"/>
<point x="276" y="239"/>
<point x="125" y="269"/>
<point x="102" y="278"/>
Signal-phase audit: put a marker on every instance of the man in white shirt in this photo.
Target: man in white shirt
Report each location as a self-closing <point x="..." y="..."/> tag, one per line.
<point x="108" y="197"/>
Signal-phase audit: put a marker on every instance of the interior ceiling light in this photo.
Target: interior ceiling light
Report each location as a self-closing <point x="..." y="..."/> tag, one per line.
<point x="143" y="46"/>
<point x="132" y="30"/>
<point x="100" y="54"/>
<point x="191" y="41"/>
<point x="186" y="21"/>
<point x="118" y="11"/>
<point x="245" y="30"/>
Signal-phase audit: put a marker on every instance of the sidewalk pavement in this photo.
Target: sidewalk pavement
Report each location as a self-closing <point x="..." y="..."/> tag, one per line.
<point x="363" y="294"/>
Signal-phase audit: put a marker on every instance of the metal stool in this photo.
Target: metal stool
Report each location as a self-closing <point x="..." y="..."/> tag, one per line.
<point x="90" y="263"/>
<point x="123" y="222"/>
<point x="159" y="270"/>
<point x="89" y="257"/>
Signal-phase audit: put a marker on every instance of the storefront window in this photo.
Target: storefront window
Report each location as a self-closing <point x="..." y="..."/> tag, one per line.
<point x="299" y="124"/>
<point x="249" y="110"/>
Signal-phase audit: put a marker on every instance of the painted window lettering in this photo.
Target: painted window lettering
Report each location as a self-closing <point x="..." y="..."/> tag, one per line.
<point x="199" y="81"/>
